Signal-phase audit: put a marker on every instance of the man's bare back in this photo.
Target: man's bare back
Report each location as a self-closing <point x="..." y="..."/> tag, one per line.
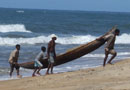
<point x="51" y="54"/>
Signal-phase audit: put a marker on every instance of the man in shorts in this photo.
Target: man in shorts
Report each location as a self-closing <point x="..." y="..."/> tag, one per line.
<point x="109" y="49"/>
<point x="13" y="60"/>
<point x="37" y="64"/>
<point x="51" y="54"/>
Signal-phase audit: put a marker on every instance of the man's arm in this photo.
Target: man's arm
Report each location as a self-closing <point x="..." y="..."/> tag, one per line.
<point x="106" y="37"/>
<point x="48" y="49"/>
<point x="54" y="50"/>
<point x="15" y="57"/>
<point x="109" y="41"/>
<point x="54" y="54"/>
<point x="100" y="38"/>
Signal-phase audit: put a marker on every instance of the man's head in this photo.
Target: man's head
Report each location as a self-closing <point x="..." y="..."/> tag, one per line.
<point x="17" y="47"/>
<point x="54" y="37"/>
<point x="117" y="32"/>
<point x="43" y="48"/>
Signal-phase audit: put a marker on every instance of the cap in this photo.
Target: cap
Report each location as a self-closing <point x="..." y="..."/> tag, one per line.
<point x="53" y="35"/>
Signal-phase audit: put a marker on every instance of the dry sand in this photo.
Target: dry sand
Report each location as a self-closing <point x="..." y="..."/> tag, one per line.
<point x="111" y="77"/>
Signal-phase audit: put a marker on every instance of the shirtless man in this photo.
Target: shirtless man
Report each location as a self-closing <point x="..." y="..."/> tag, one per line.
<point x="109" y="49"/>
<point x="13" y="60"/>
<point x="51" y="54"/>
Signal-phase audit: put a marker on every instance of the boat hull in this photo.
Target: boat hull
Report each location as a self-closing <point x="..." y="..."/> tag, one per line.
<point x="71" y="54"/>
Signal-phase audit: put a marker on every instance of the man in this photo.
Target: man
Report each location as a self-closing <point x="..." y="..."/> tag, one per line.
<point x="38" y="66"/>
<point x="13" y="60"/>
<point x="51" y="54"/>
<point x="109" y="49"/>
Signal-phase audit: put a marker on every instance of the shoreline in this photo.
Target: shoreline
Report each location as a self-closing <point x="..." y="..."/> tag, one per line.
<point x="111" y="77"/>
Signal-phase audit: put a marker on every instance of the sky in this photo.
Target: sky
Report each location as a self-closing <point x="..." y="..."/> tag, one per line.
<point x="85" y="5"/>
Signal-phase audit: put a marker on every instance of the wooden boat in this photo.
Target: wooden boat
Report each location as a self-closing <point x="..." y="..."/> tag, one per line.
<point x="71" y="54"/>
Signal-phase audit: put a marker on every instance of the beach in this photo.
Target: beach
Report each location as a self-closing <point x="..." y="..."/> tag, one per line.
<point x="33" y="28"/>
<point x="111" y="77"/>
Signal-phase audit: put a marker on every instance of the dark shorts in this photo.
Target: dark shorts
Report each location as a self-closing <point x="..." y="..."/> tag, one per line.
<point x="12" y="66"/>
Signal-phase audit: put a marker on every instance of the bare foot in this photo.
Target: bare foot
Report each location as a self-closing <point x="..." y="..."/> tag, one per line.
<point x="39" y="73"/>
<point x="47" y="73"/>
<point x="103" y="65"/>
<point x="51" y="72"/>
<point x="110" y="63"/>
<point x="33" y="75"/>
<point x="10" y="76"/>
<point x="19" y="76"/>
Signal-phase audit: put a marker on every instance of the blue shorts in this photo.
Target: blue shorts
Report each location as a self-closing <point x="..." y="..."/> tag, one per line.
<point x="37" y="64"/>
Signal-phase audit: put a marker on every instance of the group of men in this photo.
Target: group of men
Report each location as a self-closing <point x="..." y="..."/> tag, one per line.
<point x="51" y="54"/>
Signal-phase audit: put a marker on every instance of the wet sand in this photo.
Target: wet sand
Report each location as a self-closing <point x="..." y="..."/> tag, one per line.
<point x="111" y="77"/>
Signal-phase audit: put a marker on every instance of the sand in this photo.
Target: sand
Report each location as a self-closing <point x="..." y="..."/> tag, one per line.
<point x="111" y="77"/>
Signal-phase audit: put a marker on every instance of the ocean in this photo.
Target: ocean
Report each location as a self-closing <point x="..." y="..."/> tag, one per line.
<point x="32" y="28"/>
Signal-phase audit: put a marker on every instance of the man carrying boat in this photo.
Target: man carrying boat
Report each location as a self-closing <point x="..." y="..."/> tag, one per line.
<point x="13" y="60"/>
<point x="37" y="64"/>
<point x="51" y="54"/>
<point x="109" y="48"/>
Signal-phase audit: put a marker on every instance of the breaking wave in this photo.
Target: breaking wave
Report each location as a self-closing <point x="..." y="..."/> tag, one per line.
<point x="122" y="39"/>
<point x="103" y="55"/>
<point x="13" y="28"/>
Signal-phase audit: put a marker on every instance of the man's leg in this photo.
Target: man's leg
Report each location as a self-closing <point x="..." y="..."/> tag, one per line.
<point x="11" y="69"/>
<point x="17" y="69"/>
<point x="17" y="72"/>
<point x="49" y="65"/>
<point x="52" y="68"/>
<point x="113" y="52"/>
<point x="34" y="72"/>
<point x="39" y="67"/>
<point x="38" y="72"/>
<point x="106" y="56"/>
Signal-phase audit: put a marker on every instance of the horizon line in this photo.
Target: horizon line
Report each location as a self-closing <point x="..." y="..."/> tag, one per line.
<point x="67" y="10"/>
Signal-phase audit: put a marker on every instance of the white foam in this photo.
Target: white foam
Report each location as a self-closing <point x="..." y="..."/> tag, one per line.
<point x="82" y="39"/>
<point x="20" y="11"/>
<point x="14" y="41"/>
<point x="103" y="55"/>
<point x="94" y="55"/>
<point x="13" y="28"/>
<point x="76" y="39"/>
<point x="123" y="53"/>
<point x="45" y="39"/>
<point x="123" y="39"/>
<point x="7" y="78"/>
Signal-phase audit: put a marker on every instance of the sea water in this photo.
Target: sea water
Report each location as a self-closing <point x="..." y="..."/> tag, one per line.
<point x="32" y="28"/>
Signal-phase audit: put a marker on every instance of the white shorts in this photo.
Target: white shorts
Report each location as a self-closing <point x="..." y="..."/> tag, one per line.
<point x="37" y="64"/>
<point x="51" y="58"/>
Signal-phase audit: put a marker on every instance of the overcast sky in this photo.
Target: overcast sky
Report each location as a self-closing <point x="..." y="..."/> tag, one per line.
<point x="87" y="5"/>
